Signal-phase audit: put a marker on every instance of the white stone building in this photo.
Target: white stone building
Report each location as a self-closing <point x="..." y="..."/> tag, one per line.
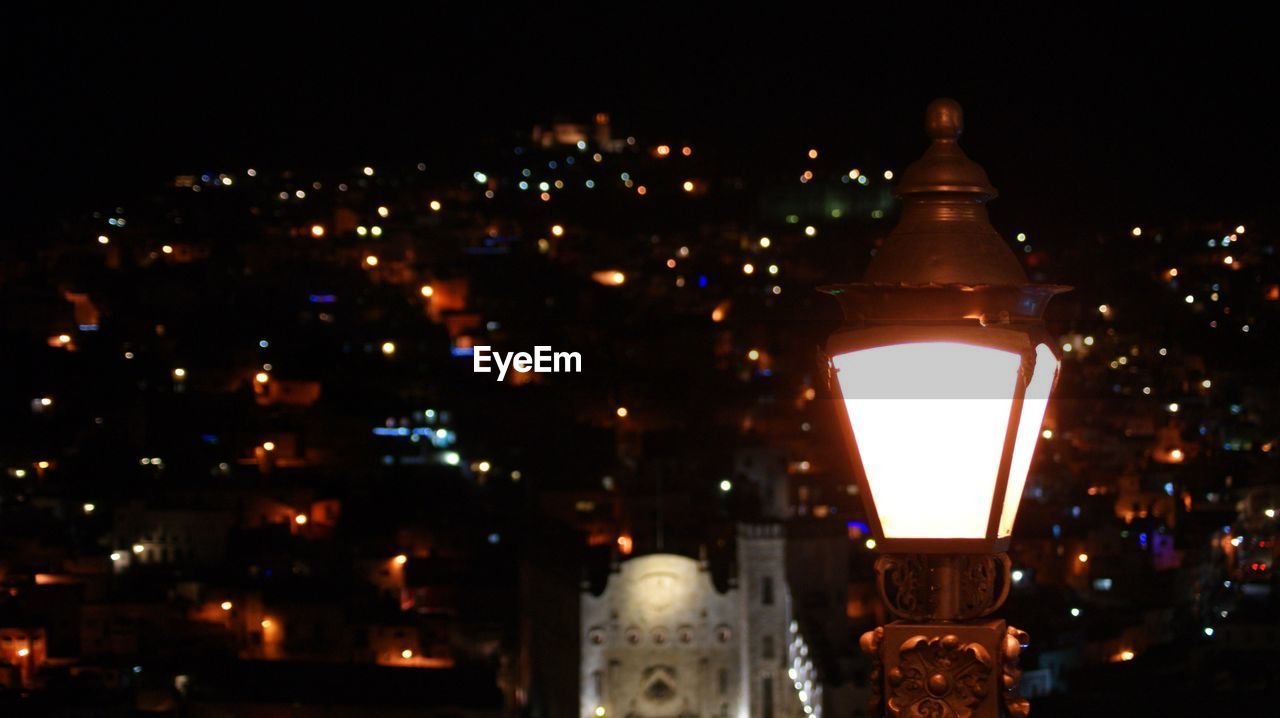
<point x="662" y="642"/>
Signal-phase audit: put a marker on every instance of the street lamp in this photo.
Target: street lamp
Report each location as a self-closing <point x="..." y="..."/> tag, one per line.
<point x="943" y="369"/>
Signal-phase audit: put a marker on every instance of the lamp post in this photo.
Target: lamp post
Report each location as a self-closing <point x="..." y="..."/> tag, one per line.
<point x="944" y="369"/>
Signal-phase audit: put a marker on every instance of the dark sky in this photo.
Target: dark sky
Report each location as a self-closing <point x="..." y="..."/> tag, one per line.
<point x="1089" y="117"/>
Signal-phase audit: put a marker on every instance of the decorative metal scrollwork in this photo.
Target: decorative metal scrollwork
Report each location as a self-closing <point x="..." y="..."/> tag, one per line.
<point x="908" y="584"/>
<point x="978" y="584"/>
<point x="908" y="575"/>
<point x="938" y="677"/>
<point x="1014" y="705"/>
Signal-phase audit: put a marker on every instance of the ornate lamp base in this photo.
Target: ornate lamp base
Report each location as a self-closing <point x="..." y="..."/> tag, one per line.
<point x="949" y="668"/>
<point x="958" y="670"/>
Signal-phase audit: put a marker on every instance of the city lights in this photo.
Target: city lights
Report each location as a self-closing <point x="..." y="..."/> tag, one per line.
<point x="919" y="399"/>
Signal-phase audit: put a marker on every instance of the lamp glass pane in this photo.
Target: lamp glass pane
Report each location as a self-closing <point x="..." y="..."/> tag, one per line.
<point x="1033" y="407"/>
<point x="930" y="420"/>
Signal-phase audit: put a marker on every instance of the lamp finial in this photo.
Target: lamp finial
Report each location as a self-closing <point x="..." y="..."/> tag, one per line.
<point x="944" y="120"/>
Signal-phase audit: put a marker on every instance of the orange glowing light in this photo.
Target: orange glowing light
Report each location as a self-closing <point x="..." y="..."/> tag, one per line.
<point x="317" y="230"/>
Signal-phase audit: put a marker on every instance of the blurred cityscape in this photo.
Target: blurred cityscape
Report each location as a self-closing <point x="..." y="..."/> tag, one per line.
<point x="248" y="469"/>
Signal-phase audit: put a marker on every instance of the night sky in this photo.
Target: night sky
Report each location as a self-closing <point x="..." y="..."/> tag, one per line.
<point x="1085" y="121"/>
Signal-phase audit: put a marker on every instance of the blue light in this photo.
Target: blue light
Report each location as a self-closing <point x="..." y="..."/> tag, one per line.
<point x="462" y="351"/>
<point x="1168" y="489"/>
<point x="391" y="431"/>
<point x="322" y="299"/>
<point x="264" y="343"/>
<point x="702" y="281"/>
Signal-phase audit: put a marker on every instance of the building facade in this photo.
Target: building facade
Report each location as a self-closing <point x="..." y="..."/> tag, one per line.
<point x="662" y="642"/>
